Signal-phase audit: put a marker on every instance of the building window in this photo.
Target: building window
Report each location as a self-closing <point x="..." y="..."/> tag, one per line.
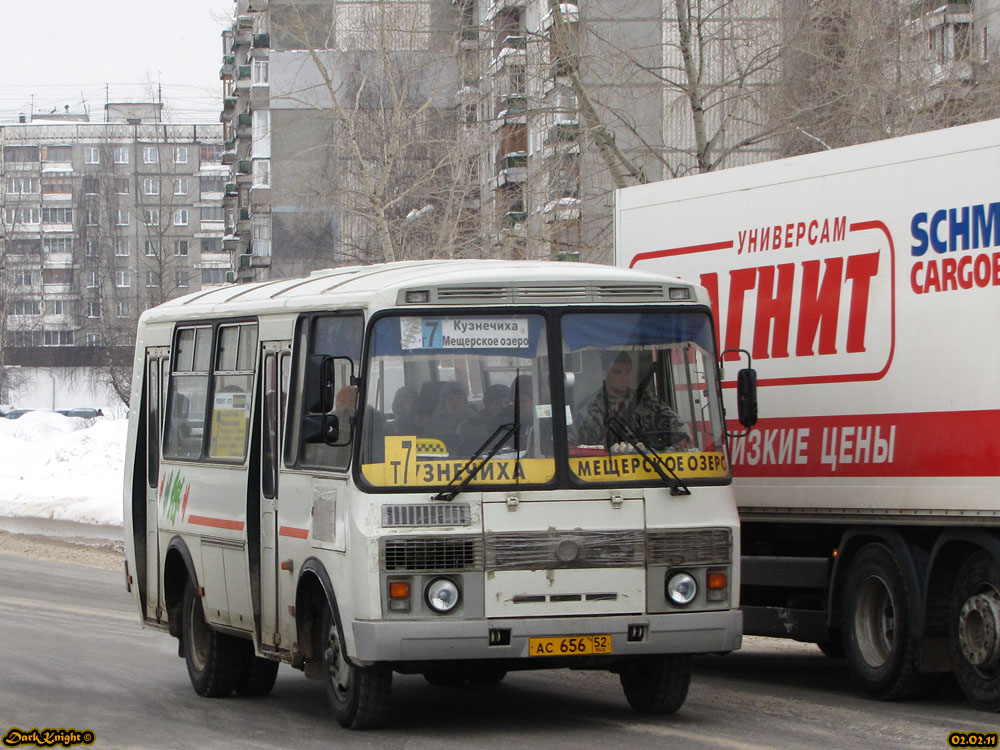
<point x="123" y="248"/>
<point x="150" y="155"/>
<point x="93" y="339"/>
<point x="211" y="213"/>
<point x="260" y="72"/>
<point x="211" y="153"/>
<point x="212" y="185"/>
<point x="152" y="278"/>
<point x="180" y="247"/>
<point x="124" y="309"/>
<point x="91" y="155"/>
<point x="93" y="216"/>
<point x="91" y="186"/>
<point x="90" y="279"/>
<point x="261" y="132"/>
<point x="211" y="245"/>
<point x="93" y="249"/>
<point x="151" y="186"/>
<point x="57" y="245"/>
<point x="22" y="185"/>
<point x="57" y="153"/>
<point x="54" y="215"/>
<point x="181" y="186"/>
<point x="25" y="247"/>
<point x="21" y="216"/>
<point x="262" y="172"/>
<point x="123" y="279"/>
<point x="121" y="185"/>
<point x="180" y="154"/>
<point x="180" y="217"/>
<point x="25" y="338"/>
<point x="182" y="279"/>
<point x="213" y="275"/>
<point x="123" y="217"/>
<point x="58" y="307"/>
<point x="94" y="308"/>
<point x="260" y="243"/>
<point x="120" y="155"/>
<point x="62" y="183"/>
<point x="152" y="248"/>
<point x="25" y="278"/>
<point x="151" y="217"/>
<point x="61" y="276"/>
<point x="20" y="154"/>
<point x="57" y="338"/>
<point x="26" y="307"/>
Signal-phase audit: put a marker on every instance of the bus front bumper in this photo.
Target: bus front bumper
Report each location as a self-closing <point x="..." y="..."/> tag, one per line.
<point x="420" y="640"/>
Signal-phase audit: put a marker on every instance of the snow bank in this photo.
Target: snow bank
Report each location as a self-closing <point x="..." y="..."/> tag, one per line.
<point x="62" y="468"/>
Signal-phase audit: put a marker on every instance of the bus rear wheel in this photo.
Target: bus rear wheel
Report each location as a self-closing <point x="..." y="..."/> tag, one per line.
<point x="656" y="684"/>
<point x="213" y="659"/>
<point x="358" y="696"/>
<point x="974" y="631"/>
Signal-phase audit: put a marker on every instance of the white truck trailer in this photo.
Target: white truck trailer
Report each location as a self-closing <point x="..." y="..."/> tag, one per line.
<point x="865" y="283"/>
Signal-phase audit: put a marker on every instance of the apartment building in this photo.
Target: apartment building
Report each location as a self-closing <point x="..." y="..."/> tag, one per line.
<point x="555" y="104"/>
<point x="100" y="220"/>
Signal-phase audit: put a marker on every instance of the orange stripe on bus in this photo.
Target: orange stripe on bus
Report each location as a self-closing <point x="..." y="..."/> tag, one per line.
<point x="293" y="532"/>
<point x="216" y="523"/>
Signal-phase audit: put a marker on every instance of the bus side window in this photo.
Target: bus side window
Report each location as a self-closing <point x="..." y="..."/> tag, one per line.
<point x="335" y="336"/>
<point x="188" y="393"/>
<point x="233" y="378"/>
<point x="269" y="458"/>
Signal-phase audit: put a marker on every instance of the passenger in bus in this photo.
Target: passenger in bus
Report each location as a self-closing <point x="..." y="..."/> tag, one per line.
<point x="654" y="422"/>
<point x="406" y="417"/>
<point x="453" y="409"/>
<point x="497" y="410"/>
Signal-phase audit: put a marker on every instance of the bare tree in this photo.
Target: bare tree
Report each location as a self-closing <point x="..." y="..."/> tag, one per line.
<point x="387" y="156"/>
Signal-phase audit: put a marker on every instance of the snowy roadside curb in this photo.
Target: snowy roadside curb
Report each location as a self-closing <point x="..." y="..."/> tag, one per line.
<point x="72" y="532"/>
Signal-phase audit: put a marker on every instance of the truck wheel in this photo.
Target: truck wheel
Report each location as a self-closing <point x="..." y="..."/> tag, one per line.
<point x="358" y="696"/>
<point x="881" y="654"/>
<point x="974" y="631"/>
<point x="257" y="675"/>
<point x="213" y="659"/>
<point x="656" y="684"/>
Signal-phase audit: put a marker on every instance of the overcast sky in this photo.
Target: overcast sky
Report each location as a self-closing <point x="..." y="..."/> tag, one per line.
<point x="81" y="52"/>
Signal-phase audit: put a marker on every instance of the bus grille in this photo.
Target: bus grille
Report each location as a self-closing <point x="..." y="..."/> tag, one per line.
<point x="432" y="553"/>
<point x="564" y="549"/>
<point x="690" y="547"/>
<point x="425" y="514"/>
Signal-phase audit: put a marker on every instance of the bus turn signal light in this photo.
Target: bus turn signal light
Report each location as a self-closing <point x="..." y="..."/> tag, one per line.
<point x="399" y="596"/>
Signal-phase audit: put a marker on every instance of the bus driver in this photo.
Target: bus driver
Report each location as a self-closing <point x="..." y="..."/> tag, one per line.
<point x="653" y="421"/>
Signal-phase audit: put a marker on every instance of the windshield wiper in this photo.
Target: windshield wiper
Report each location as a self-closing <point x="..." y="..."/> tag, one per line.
<point x="626" y="433"/>
<point x="497" y="439"/>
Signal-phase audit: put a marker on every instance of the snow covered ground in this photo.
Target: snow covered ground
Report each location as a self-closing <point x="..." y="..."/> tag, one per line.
<point x="60" y="476"/>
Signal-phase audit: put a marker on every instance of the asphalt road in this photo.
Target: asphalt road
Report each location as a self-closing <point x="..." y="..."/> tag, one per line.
<point x="74" y="656"/>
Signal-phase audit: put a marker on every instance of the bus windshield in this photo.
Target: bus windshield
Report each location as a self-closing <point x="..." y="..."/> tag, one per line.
<point x="449" y="395"/>
<point x="642" y="397"/>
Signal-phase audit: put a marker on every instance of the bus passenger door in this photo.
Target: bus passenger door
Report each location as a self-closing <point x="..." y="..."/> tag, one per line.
<point x="274" y="389"/>
<point x="157" y="366"/>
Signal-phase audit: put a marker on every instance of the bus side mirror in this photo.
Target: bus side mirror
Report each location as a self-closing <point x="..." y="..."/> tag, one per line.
<point x="746" y="393"/>
<point x="321" y="384"/>
<point x="746" y="396"/>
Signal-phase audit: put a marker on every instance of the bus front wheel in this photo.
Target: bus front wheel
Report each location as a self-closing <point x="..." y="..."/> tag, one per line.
<point x="358" y="696"/>
<point x="656" y="684"/>
<point x="213" y="659"/>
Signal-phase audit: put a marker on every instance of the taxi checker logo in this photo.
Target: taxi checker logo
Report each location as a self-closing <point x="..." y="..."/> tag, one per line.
<point x="48" y="737"/>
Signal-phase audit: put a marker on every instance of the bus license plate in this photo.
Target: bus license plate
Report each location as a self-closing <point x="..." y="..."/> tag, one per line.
<point x="571" y="645"/>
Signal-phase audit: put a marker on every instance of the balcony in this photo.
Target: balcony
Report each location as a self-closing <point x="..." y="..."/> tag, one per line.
<point x="564" y="131"/>
<point x="563" y="209"/>
<point x="261" y="41"/>
<point x="228" y="157"/>
<point x="570" y="14"/>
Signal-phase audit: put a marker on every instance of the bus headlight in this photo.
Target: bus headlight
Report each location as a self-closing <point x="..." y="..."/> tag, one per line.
<point x="442" y="595"/>
<point x="681" y="589"/>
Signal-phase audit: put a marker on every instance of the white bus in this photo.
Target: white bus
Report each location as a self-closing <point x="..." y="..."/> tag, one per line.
<point x="384" y="469"/>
